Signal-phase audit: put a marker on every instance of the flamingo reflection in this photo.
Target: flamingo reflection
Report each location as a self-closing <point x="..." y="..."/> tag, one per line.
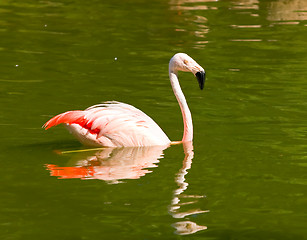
<point x="115" y="164"/>
<point x="110" y="164"/>
<point x="185" y="227"/>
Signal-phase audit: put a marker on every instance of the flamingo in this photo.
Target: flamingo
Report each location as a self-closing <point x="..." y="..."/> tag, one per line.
<point x="116" y="124"/>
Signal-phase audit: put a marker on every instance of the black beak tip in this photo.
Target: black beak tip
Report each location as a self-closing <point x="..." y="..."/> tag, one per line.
<point x="201" y="77"/>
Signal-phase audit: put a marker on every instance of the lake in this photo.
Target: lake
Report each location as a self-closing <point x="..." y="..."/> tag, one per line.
<point x="244" y="176"/>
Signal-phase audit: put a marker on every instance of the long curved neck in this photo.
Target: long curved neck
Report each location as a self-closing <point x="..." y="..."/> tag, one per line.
<point x="186" y="114"/>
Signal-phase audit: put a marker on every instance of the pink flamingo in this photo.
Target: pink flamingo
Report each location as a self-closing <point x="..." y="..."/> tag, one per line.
<point x="116" y="124"/>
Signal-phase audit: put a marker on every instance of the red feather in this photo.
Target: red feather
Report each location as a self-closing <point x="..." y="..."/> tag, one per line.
<point x="71" y="117"/>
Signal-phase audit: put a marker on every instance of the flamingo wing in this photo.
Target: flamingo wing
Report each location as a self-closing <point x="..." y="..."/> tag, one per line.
<point x="112" y="124"/>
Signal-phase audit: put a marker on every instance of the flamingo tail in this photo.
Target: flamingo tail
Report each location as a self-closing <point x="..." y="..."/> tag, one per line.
<point x="68" y="118"/>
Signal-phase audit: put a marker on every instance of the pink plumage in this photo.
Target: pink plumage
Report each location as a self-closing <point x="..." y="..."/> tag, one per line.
<point x="111" y="124"/>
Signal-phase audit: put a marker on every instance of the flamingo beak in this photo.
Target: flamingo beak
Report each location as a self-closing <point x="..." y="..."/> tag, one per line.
<point x="201" y="77"/>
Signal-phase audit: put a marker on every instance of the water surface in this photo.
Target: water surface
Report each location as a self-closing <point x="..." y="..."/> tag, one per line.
<point x="243" y="178"/>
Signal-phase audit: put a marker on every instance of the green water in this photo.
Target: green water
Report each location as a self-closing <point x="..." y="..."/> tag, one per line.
<point x="247" y="178"/>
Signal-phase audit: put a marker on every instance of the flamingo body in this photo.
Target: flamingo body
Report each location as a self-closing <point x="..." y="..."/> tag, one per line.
<point x="112" y="124"/>
<point x="116" y="124"/>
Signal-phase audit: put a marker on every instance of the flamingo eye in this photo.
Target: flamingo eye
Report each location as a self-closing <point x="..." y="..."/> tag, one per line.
<point x="185" y="62"/>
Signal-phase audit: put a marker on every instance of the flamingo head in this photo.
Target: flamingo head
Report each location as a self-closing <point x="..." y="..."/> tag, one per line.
<point x="183" y="62"/>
